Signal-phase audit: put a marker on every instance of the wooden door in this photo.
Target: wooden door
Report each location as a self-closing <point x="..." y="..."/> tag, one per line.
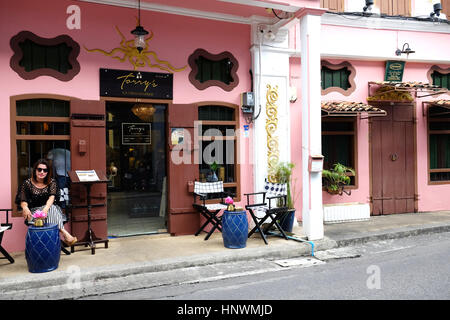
<point x="183" y="218"/>
<point x="393" y="160"/>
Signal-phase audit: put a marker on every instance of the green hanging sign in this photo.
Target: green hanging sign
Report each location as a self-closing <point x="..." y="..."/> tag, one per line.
<point x="394" y="71"/>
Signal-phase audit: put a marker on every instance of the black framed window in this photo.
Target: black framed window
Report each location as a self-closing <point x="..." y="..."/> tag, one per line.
<point x="339" y="143"/>
<point x="218" y="143"/>
<point x="439" y="144"/>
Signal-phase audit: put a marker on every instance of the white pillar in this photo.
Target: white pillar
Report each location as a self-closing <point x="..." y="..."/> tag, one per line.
<point x="270" y="65"/>
<point x="312" y="212"/>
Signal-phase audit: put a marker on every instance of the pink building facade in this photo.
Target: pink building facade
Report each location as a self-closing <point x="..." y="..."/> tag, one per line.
<point x="263" y="53"/>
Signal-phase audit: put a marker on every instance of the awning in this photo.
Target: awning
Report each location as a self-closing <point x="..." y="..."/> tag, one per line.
<point x="346" y="108"/>
<point x="437" y="103"/>
<point x="411" y="87"/>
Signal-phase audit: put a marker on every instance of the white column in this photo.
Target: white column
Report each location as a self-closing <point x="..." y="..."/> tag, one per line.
<point x="270" y="65"/>
<point x="312" y="213"/>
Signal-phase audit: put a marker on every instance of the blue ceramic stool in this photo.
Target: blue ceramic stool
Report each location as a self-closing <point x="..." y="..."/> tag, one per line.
<point x="234" y="229"/>
<point x="42" y="248"/>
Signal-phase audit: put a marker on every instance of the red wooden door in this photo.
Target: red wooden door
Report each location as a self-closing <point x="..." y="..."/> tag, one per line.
<point x="88" y="152"/>
<point x="182" y="169"/>
<point x="393" y="160"/>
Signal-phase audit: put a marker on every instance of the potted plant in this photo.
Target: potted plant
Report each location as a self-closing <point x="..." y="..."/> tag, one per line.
<point x="336" y="178"/>
<point x="212" y="176"/>
<point x="283" y="174"/>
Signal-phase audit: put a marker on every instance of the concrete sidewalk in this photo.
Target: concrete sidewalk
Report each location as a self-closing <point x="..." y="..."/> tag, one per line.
<point x="157" y="253"/>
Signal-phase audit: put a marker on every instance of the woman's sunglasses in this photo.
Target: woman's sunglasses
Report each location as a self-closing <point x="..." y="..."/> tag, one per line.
<point x="42" y="169"/>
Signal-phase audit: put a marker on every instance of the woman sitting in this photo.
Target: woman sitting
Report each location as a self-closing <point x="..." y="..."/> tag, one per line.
<point x="38" y="193"/>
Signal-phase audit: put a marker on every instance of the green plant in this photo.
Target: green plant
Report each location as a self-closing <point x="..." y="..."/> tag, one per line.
<point x="337" y="177"/>
<point x="283" y="174"/>
<point x="214" y="166"/>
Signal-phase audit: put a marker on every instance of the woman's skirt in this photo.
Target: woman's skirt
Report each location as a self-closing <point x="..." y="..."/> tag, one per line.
<point x="54" y="215"/>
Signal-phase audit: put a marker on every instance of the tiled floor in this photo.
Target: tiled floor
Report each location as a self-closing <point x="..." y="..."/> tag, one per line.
<point x="135" y="214"/>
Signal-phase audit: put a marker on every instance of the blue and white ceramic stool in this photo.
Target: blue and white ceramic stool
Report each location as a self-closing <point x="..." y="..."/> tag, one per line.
<point x="42" y="248"/>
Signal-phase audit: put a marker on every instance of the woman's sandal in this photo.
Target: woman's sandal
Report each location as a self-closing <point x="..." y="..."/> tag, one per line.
<point x="71" y="243"/>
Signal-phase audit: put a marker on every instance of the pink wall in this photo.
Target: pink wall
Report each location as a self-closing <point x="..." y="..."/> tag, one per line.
<point x="175" y="38"/>
<point x="430" y="196"/>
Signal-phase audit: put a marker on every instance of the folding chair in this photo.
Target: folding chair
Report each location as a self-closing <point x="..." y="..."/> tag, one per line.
<point x="262" y="213"/>
<point x="66" y="206"/>
<point x="205" y="190"/>
<point x="3" y="228"/>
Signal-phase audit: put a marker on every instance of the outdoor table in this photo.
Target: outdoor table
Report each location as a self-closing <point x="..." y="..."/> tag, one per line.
<point x="42" y="248"/>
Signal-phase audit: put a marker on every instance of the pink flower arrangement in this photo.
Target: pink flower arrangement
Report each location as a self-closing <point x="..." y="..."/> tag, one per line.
<point x="229" y="200"/>
<point x="38" y="214"/>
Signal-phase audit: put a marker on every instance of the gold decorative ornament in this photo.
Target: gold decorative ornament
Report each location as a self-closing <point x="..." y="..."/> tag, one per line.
<point x="138" y="59"/>
<point x="273" y="154"/>
<point x="387" y="93"/>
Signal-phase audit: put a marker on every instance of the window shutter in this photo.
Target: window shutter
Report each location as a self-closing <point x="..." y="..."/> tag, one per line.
<point x="394" y="7"/>
<point x="446" y="7"/>
<point x="333" y="5"/>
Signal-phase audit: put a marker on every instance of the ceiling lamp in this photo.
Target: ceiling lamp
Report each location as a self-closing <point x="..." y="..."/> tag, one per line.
<point x="139" y="32"/>
<point x="143" y="111"/>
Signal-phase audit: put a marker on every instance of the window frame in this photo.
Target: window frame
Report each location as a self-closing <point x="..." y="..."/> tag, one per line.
<point x="354" y="133"/>
<point x="197" y="144"/>
<point x="29" y="75"/>
<point x="351" y="77"/>
<point x="429" y="132"/>
<point x="15" y="137"/>
<point x="437" y="69"/>
<point x="213" y="57"/>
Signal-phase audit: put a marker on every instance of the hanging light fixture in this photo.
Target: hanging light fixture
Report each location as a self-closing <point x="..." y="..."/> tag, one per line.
<point x="139" y="32"/>
<point x="143" y="111"/>
<point x="406" y="49"/>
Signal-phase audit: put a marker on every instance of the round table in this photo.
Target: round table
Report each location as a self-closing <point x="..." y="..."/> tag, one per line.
<point x="42" y="248"/>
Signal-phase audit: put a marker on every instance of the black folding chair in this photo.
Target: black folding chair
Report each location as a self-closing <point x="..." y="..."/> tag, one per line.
<point x="66" y="206"/>
<point x="3" y="228"/>
<point x="204" y="191"/>
<point x="268" y="214"/>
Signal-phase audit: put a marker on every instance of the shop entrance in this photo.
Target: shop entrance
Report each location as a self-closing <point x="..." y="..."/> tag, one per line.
<point x="136" y="167"/>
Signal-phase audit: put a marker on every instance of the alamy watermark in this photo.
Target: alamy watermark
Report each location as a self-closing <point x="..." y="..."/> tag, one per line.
<point x="374" y="279"/>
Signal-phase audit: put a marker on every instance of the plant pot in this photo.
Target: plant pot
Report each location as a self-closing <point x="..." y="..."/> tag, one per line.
<point x="334" y="191"/>
<point x="38" y="222"/>
<point x="287" y="221"/>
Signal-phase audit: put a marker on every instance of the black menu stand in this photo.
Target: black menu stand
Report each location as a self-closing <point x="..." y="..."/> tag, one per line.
<point x="90" y="238"/>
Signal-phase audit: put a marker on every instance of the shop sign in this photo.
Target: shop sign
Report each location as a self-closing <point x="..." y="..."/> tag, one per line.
<point x="136" y="133"/>
<point x="394" y="71"/>
<point x="135" y="84"/>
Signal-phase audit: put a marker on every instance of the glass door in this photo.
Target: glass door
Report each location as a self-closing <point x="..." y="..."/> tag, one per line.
<point x="136" y="167"/>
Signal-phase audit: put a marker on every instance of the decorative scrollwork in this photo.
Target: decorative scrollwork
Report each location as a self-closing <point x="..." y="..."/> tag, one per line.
<point x="273" y="153"/>
<point x="127" y="52"/>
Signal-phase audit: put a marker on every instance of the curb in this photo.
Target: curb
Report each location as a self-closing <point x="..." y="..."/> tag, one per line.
<point x="91" y="275"/>
<point x="394" y="234"/>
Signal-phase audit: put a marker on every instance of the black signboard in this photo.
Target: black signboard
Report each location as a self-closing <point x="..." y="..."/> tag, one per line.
<point x="394" y="71"/>
<point x="135" y="84"/>
<point x="136" y="133"/>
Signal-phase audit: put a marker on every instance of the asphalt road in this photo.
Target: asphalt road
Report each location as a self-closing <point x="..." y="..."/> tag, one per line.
<point x="414" y="268"/>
